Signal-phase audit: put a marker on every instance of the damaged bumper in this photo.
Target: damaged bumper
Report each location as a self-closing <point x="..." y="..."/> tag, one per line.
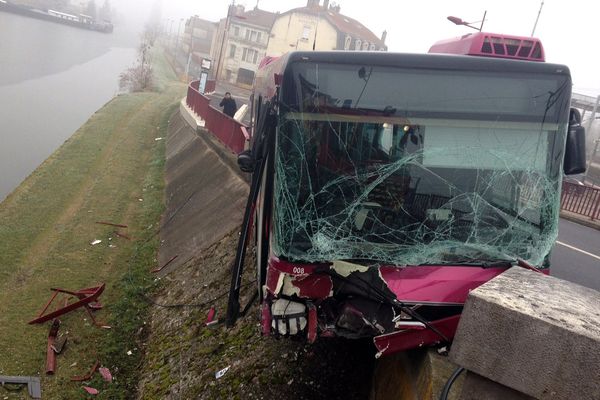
<point x="400" y="308"/>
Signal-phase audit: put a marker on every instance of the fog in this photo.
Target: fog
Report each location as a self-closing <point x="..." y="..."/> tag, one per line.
<point x="565" y="28"/>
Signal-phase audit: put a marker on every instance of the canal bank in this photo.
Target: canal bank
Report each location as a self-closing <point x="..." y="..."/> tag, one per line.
<point x="111" y="169"/>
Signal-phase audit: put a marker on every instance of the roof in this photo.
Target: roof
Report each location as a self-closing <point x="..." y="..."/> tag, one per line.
<point x="257" y="17"/>
<point x="340" y="22"/>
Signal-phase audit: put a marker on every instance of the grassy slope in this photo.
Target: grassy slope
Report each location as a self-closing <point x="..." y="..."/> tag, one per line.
<point x="47" y="224"/>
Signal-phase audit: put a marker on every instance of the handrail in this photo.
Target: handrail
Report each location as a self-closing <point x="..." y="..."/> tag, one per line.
<point x="581" y="199"/>
<point x="231" y="133"/>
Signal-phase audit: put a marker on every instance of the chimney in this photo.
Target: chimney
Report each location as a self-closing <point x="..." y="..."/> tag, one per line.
<point x="383" y="36"/>
<point x="326" y="4"/>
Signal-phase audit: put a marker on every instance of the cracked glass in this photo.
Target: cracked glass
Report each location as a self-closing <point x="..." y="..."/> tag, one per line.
<point x="413" y="166"/>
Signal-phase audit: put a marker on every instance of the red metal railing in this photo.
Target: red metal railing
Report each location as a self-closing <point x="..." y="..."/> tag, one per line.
<point x="231" y="133"/>
<point x="581" y="199"/>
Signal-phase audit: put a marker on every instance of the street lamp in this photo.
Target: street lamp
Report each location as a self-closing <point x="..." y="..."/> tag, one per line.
<point x="177" y="38"/>
<point x="458" y="21"/>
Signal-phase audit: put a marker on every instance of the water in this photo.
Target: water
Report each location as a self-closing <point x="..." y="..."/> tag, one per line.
<point x="52" y="79"/>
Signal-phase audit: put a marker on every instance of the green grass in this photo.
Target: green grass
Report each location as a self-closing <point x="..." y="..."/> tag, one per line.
<point x="48" y="222"/>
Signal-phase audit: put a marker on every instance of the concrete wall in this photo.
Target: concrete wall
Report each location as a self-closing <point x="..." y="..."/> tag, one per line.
<point x="289" y="28"/>
<point x="205" y="194"/>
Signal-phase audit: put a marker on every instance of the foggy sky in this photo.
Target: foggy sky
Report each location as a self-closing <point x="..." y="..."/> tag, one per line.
<point x="566" y="28"/>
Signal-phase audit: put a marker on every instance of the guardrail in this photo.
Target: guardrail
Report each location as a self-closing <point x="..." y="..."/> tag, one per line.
<point x="227" y="130"/>
<point x="581" y="199"/>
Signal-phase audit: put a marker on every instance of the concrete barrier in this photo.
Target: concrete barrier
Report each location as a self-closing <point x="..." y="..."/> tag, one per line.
<point x="533" y="333"/>
<point x="205" y="193"/>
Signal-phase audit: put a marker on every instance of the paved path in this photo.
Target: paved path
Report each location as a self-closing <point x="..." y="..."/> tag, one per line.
<point x="576" y="255"/>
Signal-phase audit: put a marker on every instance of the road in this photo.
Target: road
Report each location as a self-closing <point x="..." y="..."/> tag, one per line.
<point x="576" y="255"/>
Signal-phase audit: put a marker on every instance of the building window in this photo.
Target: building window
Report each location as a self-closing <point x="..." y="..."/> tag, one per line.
<point x="247" y="34"/>
<point x="372" y="47"/>
<point x="306" y="32"/>
<point x="253" y="36"/>
<point x="258" y="37"/>
<point x="232" y="51"/>
<point x="357" y="44"/>
<point x="347" y="42"/>
<point x="245" y="76"/>
<point x="250" y="55"/>
<point x="236" y="31"/>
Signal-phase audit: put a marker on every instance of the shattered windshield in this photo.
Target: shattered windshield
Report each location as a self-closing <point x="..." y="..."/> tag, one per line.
<point x="410" y="167"/>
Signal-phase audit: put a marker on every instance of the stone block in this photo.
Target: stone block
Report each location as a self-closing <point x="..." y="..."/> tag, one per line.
<point x="476" y="387"/>
<point x="534" y="333"/>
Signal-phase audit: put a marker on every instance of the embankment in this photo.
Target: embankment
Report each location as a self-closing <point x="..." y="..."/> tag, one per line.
<point x="111" y="169"/>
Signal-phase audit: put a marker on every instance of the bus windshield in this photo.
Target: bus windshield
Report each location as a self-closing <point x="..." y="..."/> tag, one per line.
<point x="413" y="167"/>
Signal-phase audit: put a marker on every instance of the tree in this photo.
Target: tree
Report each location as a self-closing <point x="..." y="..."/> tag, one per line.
<point x="139" y="77"/>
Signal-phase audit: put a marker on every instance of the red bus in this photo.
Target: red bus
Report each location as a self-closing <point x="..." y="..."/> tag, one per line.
<point x="387" y="186"/>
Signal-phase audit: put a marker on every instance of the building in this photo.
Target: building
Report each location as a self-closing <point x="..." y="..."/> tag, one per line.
<point x="320" y="27"/>
<point x="197" y="42"/>
<point x="241" y="43"/>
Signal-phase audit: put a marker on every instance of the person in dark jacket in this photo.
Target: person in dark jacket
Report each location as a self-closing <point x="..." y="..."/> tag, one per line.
<point x="228" y="104"/>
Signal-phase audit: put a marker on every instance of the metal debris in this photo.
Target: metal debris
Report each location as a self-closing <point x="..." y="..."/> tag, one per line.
<point x="88" y="376"/>
<point x="33" y="384"/>
<point x="167" y="263"/>
<point x="111" y="224"/>
<point x="86" y="297"/>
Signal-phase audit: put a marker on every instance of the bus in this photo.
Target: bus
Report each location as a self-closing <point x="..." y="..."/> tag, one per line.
<point x="387" y="186"/>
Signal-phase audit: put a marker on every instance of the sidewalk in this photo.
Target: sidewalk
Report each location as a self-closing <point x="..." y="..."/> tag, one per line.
<point x="580" y="219"/>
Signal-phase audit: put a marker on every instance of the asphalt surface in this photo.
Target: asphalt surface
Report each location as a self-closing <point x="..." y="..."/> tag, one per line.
<point x="576" y="254"/>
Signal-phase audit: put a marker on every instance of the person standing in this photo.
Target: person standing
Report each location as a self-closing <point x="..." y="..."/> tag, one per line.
<point x="229" y="105"/>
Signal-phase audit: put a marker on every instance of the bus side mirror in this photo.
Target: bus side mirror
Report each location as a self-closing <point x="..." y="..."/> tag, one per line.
<point x="574" y="162"/>
<point x="245" y="161"/>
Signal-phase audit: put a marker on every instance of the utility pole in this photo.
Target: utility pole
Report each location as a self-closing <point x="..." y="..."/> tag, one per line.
<point x="225" y="35"/>
<point x="177" y="39"/>
<point x="537" y="19"/>
<point x="191" y="52"/>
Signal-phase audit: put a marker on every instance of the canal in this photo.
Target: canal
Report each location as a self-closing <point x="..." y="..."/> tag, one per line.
<point x="52" y="79"/>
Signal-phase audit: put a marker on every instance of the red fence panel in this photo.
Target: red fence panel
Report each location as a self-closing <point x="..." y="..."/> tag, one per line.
<point x="228" y="131"/>
<point x="580" y="199"/>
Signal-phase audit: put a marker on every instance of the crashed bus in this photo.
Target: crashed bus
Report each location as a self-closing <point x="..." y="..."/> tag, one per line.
<point x="387" y="186"/>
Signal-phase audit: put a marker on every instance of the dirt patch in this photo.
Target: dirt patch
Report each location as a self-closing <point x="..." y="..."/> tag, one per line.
<point x="183" y="355"/>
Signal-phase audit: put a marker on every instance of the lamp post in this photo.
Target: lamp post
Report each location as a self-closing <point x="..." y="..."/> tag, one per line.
<point x="458" y="21"/>
<point x="191" y="52"/>
<point x="177" y="39"/>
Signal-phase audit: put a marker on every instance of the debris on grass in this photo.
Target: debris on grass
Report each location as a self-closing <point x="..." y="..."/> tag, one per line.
<point x="88" y="376"/>
<point x="91" y="390"/>
<point x="165" y="264"/>
<point x="95" y="242"/>
<point x="111" y="224"/>
<point x="106" y="375"/>
<point x="222" y="372"/>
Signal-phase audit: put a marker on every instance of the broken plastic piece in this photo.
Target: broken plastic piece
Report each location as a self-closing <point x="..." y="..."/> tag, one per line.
<point x="59" y="344"/>
<point x="106" y="375"/>
<point x="91" y="390"/>
<point x="95" y="242"/>
<point x="222" y="372"/>
<point x="211" y="316"/>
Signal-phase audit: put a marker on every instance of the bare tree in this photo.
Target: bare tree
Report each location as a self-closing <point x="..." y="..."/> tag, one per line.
<point x="139" y="77"/>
